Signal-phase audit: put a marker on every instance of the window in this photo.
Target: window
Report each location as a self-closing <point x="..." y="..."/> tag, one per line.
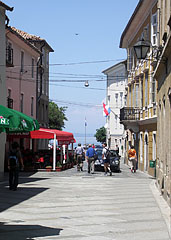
<point x="146" y="33"/>
<point x="154" y="146"/>
<point x="116" y="99"/>
<point x="22" y="61"/>
<point x="133" y="96"/>
<point x="32" y="68"/>
<point x="22" y="102"/>
<point x="131" y="64"/>
<point x="154" y="29"/>
<point x="141" y="147"/>
<point x="9" y="52"/>
<point x="136" y="94"/>
<point x="125" y="100"/>
<point x="129" y="96"/>
<point x="153" y="90"/>
<point x="32" y="105"/>
<point x="146" y="89"/>
<point x="9" y="93"/>
<point x="164" y="105"/>
<point x="142" y="93"/>
<point x="9" y="100"/>
<point x="121" y="99"/>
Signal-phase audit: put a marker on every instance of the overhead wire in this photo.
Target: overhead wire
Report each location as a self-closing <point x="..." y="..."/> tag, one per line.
<point x="74" y="63"/>
<point x="51" y="83"/>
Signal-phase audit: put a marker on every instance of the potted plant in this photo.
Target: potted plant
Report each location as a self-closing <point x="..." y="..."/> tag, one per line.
<point x="58" y="167"/>
<point x="48" y="168"/>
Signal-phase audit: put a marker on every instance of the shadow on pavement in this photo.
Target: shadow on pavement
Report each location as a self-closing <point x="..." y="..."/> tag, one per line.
<point x="26" y="232"/>
<point x="10" y="198"/>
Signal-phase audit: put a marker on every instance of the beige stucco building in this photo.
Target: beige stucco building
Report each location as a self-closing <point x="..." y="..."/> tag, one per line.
<point x="140" y="115"/>
<point x="163" y="76"/>
<point x="147" y="116"/>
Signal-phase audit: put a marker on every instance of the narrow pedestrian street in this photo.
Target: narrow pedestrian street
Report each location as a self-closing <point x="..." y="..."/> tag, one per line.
<point x="74" y="205"/>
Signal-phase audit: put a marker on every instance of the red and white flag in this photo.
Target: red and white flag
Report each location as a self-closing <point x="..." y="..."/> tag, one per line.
<point x="105" y="110"/>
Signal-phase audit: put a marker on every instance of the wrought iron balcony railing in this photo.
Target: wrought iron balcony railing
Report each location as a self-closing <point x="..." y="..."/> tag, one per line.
<point x="129" y="114"/>
<point x="9" y="102"/>
<point x="9" y="57"/>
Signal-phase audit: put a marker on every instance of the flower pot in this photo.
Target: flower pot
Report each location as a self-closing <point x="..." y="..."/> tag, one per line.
<point x="48" y="169"/>
<point x="58" y="169"/>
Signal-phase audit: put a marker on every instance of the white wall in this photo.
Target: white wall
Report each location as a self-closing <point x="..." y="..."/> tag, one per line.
<point x="116" y="80"/>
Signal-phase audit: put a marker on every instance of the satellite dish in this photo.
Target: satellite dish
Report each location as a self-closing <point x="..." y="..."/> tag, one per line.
<point x="86" y="84"/>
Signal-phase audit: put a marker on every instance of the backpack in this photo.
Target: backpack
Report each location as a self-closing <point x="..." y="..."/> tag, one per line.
<point x="107" y="154"/>
<point x="13" y="159"/>
<point x="95" y="156"/>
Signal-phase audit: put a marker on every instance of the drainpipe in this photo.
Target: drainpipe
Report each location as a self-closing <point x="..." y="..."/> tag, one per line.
<point x="37" y="79"/>
<point x="41" y="70"/>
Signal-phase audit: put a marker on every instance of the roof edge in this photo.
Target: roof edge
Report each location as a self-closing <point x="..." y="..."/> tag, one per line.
<point x="106" y="70"/>
<point x="6" y="6"/>
<point x="23" y="39"/>
<point x="41" y="40"/>
<point x="130" y="21"/>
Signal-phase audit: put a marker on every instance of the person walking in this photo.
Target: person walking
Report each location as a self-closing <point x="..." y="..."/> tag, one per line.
<point x="14" y="161"/>
<point x="79" y="151"/>
<point x="106" y="159"/>
<point x="117" y="149"/>
<point x="90" y="158"/>
<point x="132" y="156"/>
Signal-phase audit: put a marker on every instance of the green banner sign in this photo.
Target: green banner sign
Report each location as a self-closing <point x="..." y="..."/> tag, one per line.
<point x="4" y="121"/>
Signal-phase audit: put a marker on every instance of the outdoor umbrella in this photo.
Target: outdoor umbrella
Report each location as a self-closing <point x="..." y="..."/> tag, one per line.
<point x="12" y="121"/>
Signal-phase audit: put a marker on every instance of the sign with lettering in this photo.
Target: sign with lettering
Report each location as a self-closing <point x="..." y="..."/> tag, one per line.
<point x="4" y="121"/>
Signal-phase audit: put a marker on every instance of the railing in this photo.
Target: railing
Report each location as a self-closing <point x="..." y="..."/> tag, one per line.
<point x="9" y="57"/>
<point x="129" y="114"/>
<point x="9" y="102"/>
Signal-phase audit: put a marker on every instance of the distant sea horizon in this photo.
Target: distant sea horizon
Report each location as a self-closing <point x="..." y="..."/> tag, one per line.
<point x="90" y="139"/>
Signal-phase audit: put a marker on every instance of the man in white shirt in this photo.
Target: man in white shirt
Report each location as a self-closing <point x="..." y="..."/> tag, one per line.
<point x="106" y="159"/>
<point x="79" y="151"/>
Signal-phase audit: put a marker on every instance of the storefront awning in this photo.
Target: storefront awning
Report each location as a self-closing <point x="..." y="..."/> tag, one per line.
<point x="46" y="133"/>
<point x="61" y="136"/>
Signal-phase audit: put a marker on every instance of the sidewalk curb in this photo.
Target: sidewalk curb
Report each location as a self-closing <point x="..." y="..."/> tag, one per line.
<point x="164" y="208"/>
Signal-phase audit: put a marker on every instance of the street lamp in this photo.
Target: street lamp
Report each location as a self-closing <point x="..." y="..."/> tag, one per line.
<point x="141" y="49"/>
<point x="86" y="84"/>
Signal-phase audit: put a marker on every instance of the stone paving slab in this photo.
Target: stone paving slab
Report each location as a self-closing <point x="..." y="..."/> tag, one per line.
<point x="71" y="205"/>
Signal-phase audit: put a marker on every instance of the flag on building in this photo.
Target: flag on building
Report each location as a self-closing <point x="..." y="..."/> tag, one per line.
<point x="106" y="110"/>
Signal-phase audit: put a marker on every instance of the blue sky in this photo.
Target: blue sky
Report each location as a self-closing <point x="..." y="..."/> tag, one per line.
<point x="79" y="31"/>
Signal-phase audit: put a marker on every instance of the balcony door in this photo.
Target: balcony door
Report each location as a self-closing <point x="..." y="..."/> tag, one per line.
<point x="146" y="152"/>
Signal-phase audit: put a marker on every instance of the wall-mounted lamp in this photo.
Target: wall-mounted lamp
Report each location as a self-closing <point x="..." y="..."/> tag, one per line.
<point x="141" y="49"/>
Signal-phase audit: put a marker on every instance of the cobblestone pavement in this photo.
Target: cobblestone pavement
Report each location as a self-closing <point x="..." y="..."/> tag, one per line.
<point x="74" y="205"/>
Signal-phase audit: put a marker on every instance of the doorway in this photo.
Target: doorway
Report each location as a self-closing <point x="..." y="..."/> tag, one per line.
<point x="146" y="152"/>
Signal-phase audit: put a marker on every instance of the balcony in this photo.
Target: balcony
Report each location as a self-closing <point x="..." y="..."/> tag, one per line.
<point x="129" y="114"/>
<point x="9" y="102"/>
<point x="9" y="57"/>
<point x="130" y="117"/>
